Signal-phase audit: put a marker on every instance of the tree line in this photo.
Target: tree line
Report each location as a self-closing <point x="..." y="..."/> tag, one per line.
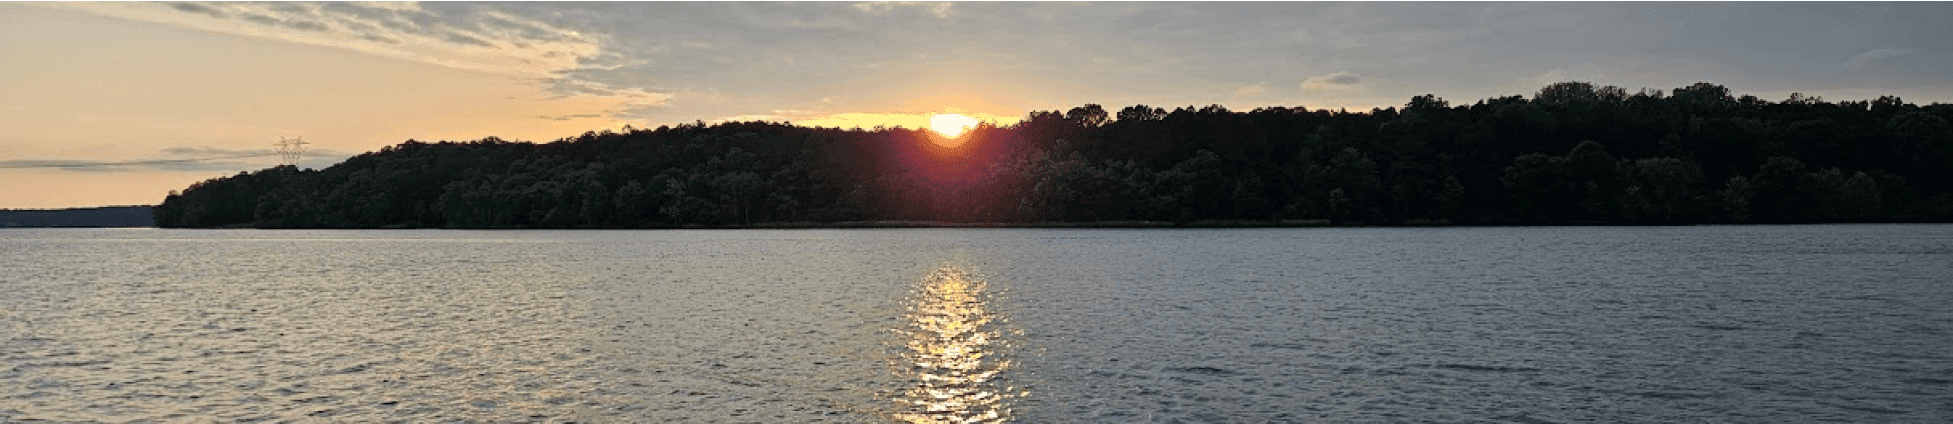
<point x="1573" y="153"/>
<point x="104" y="216"/>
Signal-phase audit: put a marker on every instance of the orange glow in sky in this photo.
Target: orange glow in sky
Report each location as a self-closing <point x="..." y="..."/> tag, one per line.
<point x="950" y="124"/>
<point x="178" y="87"/>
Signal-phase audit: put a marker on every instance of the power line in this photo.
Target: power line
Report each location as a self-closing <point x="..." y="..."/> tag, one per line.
<point x="291" y="150"/>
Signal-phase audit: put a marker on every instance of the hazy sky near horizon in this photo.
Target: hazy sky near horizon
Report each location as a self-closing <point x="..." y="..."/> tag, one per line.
<point x="84" y="83"/>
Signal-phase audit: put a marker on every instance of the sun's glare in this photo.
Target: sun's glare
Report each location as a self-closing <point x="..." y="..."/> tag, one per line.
<point x="950" y="124"/>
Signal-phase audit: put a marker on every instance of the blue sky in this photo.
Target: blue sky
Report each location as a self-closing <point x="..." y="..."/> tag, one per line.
<point x="131" y="82"/>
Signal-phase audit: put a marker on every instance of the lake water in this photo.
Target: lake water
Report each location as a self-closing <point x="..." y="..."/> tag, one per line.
<point x="1749" y="324"/>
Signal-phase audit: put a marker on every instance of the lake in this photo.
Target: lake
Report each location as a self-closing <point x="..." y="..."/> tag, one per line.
<point x="1555" y="324"/>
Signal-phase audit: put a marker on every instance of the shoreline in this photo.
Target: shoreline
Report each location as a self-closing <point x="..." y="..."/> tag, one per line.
<point x="898" y="224"/>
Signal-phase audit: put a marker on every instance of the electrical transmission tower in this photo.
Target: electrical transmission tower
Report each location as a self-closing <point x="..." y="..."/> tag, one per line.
<point x="291" y="149"/>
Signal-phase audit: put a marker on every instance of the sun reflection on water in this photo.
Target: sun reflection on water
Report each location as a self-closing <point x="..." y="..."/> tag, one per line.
<point x="954" y="354"/>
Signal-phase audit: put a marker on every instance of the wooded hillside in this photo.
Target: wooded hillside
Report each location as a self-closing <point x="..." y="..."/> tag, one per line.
<point x="1572" y="153"/>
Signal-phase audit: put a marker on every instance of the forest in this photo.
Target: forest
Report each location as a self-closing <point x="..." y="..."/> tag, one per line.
<point x="1574" y="153"/>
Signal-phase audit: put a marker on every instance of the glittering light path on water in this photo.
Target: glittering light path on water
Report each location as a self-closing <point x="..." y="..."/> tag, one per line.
<point x="953" y="355"/>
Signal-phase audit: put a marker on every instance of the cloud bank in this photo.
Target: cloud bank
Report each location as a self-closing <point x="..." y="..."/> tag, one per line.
<point x="680" y="62"/>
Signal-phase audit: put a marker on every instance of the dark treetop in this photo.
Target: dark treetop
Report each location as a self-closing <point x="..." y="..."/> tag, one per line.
<point x="1574" y="153"/>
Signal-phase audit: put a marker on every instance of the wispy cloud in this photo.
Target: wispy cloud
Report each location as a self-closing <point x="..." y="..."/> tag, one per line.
<point x="570" y="117"/>
<point x="199" y="9"/>
<point x="202" y="151"/>
<point x="182" y="159"/>
<point x="1334" y="81"/>
<point x="938" y="9"/>
<point x="563" y="51"/>
<point x="1248" y="94"/>
<point x="1871" y="59"/>
<point x="566" y="54"/>
<point x="463" y="35"/>
<point x="298" y="24"/>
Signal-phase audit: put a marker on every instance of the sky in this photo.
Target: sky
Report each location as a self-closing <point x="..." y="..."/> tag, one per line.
<point x="119" y="103"/>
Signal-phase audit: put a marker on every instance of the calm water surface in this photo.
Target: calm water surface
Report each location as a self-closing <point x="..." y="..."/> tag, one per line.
<point x="1740" y="324"/>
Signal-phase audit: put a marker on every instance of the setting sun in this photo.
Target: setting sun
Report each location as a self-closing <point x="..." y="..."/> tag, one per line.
<point x="950" y="124"/>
